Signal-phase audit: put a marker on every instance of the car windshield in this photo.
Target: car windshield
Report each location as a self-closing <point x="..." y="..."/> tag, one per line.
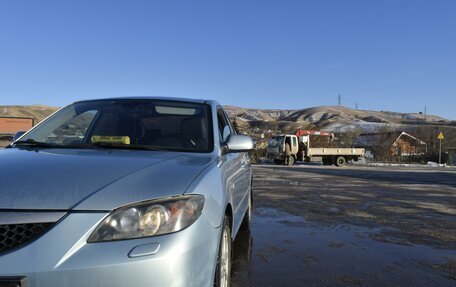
<point x="148" y="124"/>
<point x="275" y="142"/>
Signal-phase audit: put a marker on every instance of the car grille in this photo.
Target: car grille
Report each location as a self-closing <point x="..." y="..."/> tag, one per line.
<point x="15" y="235"/>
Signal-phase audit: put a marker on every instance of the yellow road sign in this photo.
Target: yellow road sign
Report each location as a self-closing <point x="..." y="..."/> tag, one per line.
<point x="441" y="137"/>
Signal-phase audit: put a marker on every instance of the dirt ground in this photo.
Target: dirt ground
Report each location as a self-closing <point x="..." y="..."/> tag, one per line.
<point x="316" y="225"/>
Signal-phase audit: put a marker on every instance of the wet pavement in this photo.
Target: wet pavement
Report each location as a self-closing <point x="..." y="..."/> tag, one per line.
<point x="327" y="226"/>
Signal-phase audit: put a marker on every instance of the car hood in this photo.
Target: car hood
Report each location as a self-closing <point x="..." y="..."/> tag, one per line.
<point x="99" y="179"/>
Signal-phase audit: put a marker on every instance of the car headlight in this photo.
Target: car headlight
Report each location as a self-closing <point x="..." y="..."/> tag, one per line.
<point x="149" y="218"/>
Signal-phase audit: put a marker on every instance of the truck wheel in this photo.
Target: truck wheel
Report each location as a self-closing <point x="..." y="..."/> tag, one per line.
<point x="340" y="161"/>
<point x="278" y="161"/>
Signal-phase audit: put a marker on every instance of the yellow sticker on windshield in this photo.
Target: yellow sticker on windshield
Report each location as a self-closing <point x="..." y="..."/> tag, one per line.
<point x="111" y="139"/>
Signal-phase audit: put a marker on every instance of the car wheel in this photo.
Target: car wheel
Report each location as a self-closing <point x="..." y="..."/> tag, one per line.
<point x="223" y="270"/>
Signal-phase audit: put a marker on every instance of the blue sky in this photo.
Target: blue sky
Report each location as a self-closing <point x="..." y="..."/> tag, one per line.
<point x="384" y="55"/>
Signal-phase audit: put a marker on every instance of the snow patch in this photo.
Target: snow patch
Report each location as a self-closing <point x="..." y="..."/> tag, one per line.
<point x="429" y="164"/>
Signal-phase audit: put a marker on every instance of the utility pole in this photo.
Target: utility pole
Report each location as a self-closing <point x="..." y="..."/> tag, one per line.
<point x="339" y="100"/>
<point x="356" y="106"/>
<point x="425" y="113"/>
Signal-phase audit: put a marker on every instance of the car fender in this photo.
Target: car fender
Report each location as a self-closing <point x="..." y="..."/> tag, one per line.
<point x="212" y="184"/>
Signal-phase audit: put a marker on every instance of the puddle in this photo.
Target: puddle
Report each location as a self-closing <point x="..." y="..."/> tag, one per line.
<point x="286" y="250"/>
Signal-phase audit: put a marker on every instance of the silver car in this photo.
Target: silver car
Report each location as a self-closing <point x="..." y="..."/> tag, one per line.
<point x="124" y="192"/>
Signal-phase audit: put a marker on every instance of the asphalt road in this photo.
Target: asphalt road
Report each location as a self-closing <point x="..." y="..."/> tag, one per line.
<point x="351" y="226"/>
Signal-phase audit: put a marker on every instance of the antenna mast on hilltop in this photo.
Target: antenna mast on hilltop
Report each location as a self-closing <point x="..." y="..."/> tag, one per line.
<point x="339" y="100"/>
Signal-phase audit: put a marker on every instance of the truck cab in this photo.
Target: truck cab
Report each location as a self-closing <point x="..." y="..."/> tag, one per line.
<point x="276" y="148"/>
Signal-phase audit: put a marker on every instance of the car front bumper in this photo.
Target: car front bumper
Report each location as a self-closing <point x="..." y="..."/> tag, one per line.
<point x="62" y="257"/>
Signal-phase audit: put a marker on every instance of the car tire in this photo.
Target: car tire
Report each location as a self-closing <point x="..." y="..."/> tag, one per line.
<point x="224" y="258"/>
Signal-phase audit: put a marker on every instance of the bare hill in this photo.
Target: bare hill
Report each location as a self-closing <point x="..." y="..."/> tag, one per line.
<point x="333" y="118"/>
<point x="38" y="112"/>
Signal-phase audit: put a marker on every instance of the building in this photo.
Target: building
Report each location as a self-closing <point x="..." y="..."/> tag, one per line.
<point x="12" y="125"/>
<point x="393" y="146"/>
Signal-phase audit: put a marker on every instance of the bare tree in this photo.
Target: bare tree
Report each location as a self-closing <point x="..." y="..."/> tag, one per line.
<point x="429" y="135"/>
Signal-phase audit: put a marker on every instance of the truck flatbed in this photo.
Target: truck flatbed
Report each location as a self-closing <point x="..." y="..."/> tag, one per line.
<point x="315" y="151"/>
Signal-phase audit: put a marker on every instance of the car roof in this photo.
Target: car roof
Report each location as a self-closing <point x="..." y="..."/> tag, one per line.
<point x="197" y="101"/>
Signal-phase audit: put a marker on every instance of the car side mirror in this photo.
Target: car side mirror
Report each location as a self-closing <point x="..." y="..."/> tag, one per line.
<point x="18" y="135"/>
<point x="239" y="143"/>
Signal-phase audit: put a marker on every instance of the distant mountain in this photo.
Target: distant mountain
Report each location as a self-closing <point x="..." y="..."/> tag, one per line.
<point x="332" y="118"/>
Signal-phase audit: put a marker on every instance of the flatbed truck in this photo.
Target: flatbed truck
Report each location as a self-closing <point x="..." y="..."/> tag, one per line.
<point x="302" y="150"/>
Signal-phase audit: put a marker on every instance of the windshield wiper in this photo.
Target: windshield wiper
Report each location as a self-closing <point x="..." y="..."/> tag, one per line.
<point x="32" y="142"/>
<point x="106" y="145"/>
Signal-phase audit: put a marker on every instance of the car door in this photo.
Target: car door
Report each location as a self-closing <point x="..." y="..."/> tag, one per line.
<point x="246" y="175"/>
<point x="240" y="174"/>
